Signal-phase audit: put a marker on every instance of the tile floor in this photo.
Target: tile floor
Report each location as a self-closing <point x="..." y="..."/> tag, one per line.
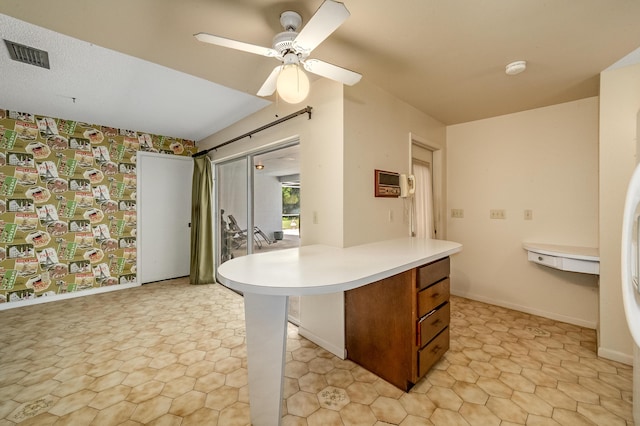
<point x="173" y="354"/>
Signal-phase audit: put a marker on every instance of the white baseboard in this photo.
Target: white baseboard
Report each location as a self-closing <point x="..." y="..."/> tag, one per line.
<point x="339" y="352"/>
<point x="615" y="356"/>
<point x="64" y="296"/>
<point x="551" y="315"/>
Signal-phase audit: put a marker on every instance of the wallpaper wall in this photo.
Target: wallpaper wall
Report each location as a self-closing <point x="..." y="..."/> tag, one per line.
<point x="68" y="203"/>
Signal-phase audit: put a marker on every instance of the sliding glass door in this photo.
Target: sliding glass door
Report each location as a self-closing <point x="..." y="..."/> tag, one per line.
<point x="276" y="205"/>
<point x="258" y="199"/>
<point x="232" y="201"/>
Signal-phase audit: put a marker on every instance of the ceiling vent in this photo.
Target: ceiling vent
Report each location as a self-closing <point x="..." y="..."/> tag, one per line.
<point x="28" y="55"/>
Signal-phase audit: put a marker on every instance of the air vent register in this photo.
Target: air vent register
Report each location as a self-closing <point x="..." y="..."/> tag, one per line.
<point x="27" y="54"/>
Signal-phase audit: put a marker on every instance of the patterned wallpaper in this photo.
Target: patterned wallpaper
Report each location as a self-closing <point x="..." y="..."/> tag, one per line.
<point x="68" y="203"/>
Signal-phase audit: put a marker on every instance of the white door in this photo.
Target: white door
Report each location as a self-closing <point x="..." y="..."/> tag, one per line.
<point x="164" y="216"/>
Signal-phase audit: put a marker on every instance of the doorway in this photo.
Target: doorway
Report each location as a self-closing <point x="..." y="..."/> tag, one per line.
<point x="163" y="217"/>
<point x="423" y="223"/>
<point x="426" y="166"/>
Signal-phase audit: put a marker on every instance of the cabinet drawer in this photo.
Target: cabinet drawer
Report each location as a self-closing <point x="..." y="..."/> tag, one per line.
<point x="432" y="297"/>
<point x="431" y="353"/>
<point x="431" y="325"/>
<point x="433" y="272"/>
<point x="544" y="259"/>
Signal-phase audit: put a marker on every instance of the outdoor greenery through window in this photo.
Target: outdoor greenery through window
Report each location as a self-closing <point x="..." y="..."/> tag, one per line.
<point x="290" y="206"/>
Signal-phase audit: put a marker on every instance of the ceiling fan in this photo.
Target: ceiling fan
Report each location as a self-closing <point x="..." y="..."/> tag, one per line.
<point x="292" y="48"/>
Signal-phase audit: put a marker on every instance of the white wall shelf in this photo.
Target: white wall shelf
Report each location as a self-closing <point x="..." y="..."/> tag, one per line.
<point x="585" y="260"/>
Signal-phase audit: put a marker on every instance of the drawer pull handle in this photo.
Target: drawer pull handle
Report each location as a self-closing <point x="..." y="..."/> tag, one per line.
<point x="436" y="322"/>
<point x="540" y="258"/>
<point x="435" y="295"/>
<point x="436" y="349"/>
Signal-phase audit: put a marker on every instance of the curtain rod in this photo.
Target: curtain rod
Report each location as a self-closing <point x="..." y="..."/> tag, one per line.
<point x="306" y="110"/>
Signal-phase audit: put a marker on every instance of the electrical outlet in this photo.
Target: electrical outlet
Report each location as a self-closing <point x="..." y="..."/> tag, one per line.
<point x="528" y="215"/>
<point x="457" y="213"/>
<point x="497" y="214"/>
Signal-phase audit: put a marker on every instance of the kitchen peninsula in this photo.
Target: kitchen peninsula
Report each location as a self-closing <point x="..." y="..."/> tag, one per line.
<point x="268" y="279"/>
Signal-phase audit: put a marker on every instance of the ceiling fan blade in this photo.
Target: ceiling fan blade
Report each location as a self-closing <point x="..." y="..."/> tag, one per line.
<point x="326" y="20"/>
<point x="269" y="85"/>
<point x="332" y="72"/>
<point x="234" y="44"/>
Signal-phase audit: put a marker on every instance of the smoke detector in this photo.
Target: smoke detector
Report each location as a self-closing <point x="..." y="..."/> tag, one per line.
<point x="515" y="67"/>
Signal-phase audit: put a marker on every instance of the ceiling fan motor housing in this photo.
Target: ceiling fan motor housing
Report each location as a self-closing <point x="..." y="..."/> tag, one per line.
<point x="290" y="20"/>
<point x="283" y="42"/>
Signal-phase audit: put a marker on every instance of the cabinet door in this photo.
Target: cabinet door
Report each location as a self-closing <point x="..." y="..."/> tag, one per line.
<point x="380" y="328"/>
<point x="433" y="272"/>
<point x="430" y="325"/>
<point x="432" y="297"/>
<point x="431" y="353"/>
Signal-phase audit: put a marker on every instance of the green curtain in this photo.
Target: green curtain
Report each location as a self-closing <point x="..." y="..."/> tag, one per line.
<point x="202" y="238"/>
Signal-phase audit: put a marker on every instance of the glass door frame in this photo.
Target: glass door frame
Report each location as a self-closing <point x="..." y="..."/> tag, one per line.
<point x="249" y="200"/>
<point x="249" y="157"/>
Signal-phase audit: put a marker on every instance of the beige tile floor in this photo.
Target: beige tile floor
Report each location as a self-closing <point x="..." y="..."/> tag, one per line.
<point x="173" y="354"/>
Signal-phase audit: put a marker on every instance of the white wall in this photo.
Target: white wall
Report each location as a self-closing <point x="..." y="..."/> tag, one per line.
<point x="545" y="160"/>
<point x="619" y="106"/>
<point x="321" y="157"/>
<point x="378" y="129"/>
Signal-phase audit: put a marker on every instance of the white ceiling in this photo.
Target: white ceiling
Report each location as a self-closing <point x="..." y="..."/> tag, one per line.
<point x="281" y="162"/>
<point x="92" y="84"/>
<point x="444" y="57"/>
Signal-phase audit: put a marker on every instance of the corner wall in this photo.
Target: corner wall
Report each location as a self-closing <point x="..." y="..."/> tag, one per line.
<point x="321" y="157"/>
<point x="378" y="129"/>
<point x="545" y="160"/>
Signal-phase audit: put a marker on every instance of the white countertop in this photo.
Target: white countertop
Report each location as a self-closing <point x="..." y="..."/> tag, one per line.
<point x="320" y="269"/>
<point x="572" y="252"/>
<point x="566" y="258"/>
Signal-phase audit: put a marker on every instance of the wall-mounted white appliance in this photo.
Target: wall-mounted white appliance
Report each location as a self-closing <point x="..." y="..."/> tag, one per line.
<point x="407" y="185"/>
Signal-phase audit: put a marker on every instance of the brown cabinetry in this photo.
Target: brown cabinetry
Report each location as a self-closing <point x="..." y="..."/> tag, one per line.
<point x="398" y="327"/>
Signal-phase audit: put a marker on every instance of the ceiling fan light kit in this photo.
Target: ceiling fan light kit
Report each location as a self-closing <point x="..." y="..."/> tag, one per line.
<point x="292" y="84"/>
<point x="293" y="49"/>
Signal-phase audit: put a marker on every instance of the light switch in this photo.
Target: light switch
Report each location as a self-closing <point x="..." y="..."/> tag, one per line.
<point x="457" y="213"/>
<point x="497" y="214"/>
